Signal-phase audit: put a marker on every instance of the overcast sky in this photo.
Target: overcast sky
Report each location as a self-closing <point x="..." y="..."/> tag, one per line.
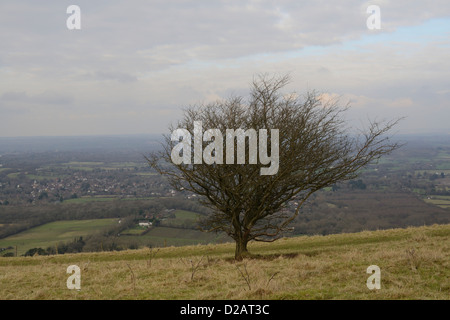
<point x="135" y="64"/>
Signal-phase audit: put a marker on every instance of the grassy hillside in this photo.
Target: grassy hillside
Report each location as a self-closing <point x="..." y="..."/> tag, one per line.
<point x="414" y="263"/>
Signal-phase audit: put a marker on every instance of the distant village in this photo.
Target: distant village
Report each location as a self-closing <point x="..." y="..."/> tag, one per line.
<point x="58" y="185"/>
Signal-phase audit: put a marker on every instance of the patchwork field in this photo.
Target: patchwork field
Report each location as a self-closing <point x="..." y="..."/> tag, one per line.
<point x="176" y="231"/>
<point x="51" y="233"/>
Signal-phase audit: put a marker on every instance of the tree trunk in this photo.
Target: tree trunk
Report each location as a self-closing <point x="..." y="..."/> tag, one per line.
<point x="241" y="249"/>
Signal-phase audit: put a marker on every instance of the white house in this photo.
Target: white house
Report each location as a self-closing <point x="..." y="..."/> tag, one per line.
<point x="145" y="223"/>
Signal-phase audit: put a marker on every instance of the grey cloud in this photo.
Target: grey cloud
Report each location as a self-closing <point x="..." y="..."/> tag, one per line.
<point x="41" y="98"/>
<point x="173" y="32"/>
<point x="206" y="30"/>
<point x="8" y="110"/>
<point x="14" y="96"/>
<point x="53" y="98"/>
<point x="147" y="54"/>
<point x="101" y="75"/>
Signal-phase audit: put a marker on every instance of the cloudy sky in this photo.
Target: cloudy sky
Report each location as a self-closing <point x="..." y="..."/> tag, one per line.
<point x="134" y="64"/>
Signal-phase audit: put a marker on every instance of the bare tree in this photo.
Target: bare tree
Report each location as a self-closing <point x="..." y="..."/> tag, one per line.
<point x="316" y="150"/>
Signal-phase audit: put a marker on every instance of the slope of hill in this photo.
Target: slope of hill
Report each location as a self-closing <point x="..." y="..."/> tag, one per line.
<point x="414" y="264"/>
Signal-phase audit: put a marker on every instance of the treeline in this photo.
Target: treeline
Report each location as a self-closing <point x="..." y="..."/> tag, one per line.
<point x="184" y="204"/>
<point x="358" y="210"/>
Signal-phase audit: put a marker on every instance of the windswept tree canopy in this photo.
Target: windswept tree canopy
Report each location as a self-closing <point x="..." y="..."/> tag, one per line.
<point x="315" y="150"/>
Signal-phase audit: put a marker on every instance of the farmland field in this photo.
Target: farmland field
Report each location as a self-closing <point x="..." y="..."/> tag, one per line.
<point x="182" y="218"/>
<point x="83" y="163"/>
<point x="440" y="201"/>
<point x="173" y="232"/>
<point x="89" y="199"/>
<point x="51" y="233"/>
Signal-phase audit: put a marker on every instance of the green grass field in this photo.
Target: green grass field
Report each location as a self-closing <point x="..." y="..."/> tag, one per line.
<point x="414" y="264"/>
<point x="44" y="177"/>
<point x="104" y="198"/>
<point x="91" y="165"/>
<point x="443" y="166"/>
<point x="184" y="214"/>
<point x="124" y="164"/>
<point x="146" y="174"/>
<point x="134" y="231"/>
<point x="89" y="199"/>
<point x="182" y="218"/>
<point x="13" y="175"/>
<point x="51" y="233"/>
<point x="438" y="171"/>
<point x="440" y="201"/>
<point x="86" y="163"/>
<point x="37" y="177"/>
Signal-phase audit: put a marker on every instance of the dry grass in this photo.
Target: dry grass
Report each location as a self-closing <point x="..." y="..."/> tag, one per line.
<point x="414" y="264"/>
